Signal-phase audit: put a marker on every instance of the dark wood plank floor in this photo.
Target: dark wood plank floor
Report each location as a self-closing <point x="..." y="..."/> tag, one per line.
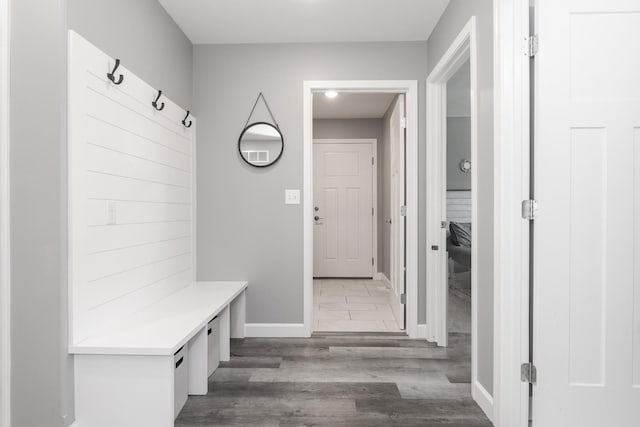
<point x="340" y="380"/>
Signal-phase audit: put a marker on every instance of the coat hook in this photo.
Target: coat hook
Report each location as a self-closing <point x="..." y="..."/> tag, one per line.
<point x="184" y="121"/>
<point x="155" y="103"/>
<point x="112" y="76"/>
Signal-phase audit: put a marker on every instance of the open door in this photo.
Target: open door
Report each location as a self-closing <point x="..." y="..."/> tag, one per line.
<point x="398" y="271"/>
<point x="587" y="234"/>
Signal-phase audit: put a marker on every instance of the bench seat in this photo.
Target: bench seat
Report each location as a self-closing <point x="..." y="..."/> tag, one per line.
<point x="129" y="377"/>
<point x="164" y="327"/>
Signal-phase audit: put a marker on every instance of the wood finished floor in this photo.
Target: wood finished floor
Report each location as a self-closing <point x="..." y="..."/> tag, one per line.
<point x="340" y="380"/>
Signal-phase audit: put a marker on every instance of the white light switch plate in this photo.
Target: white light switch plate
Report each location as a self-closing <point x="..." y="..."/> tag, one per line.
<point x="291" y="197"/>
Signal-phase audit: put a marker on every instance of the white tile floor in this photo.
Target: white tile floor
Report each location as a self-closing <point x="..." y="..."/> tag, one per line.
<point x="352" y="305"/>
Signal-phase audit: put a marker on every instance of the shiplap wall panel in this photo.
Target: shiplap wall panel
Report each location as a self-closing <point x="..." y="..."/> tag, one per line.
<point x="459" y="206"/>
<point x="131" y="193"/>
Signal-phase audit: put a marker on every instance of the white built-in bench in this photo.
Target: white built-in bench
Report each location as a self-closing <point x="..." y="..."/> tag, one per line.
<point x="143" y="333"/>
<point x="139" y="374"/>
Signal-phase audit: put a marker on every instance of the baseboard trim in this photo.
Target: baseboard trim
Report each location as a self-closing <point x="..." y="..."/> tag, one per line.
<point x="422" y="331"/>
<point x="483" y="399"/>
<point x="382" y="277"/>
<point x="274" y="330"/>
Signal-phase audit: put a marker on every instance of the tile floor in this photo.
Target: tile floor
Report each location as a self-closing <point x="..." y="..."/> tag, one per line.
<point x="352" y="305"/>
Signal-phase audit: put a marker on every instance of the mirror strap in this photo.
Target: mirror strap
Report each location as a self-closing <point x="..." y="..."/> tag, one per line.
<point x="268" y="109"/>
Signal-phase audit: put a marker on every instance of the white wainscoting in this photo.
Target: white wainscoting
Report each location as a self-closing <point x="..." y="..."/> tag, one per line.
<point x="131" y="194"/>
<point x="458" y="206"/>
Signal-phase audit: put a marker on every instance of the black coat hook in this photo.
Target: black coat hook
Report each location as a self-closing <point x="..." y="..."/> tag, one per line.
<point x="184" y="121"/>
<point x="155" y="103"/>
<point x="112" y="75"/>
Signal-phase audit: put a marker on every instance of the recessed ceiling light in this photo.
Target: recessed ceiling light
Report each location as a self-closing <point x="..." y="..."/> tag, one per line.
<point x="331" y="94"/>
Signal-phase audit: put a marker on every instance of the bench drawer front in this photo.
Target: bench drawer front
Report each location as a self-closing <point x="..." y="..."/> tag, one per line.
<point x="181" y="380"/>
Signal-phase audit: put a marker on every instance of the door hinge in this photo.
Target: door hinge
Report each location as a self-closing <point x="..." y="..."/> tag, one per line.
<point x="372" y="212"/>
<point x="403" y="210"/>
<point x="528" y="373"/>
<point x="403" y="298"/>
<point x="532" y="45"/>
<point x="529" y="209"/>
<point x="373" y="160"/>
<point x="372" y="261"/>
<point x="403" y="123"/>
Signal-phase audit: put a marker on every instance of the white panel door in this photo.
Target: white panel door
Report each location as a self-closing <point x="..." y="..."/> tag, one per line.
<point x="343" y="217"/>
<point x="587" y="235"/>
<point x="397" y="149"/>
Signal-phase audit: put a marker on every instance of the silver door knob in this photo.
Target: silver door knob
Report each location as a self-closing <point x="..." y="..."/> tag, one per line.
<point x="316" y="209"/>
<point x="317" y="218"/>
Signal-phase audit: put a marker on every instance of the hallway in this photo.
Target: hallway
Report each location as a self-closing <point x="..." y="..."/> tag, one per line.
<point x="340" y="380"/>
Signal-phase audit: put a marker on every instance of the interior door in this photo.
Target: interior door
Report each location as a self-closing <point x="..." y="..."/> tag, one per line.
<point x="397" y="161"/>
<point x="343" y="210"/>
<point x="587" y="233"/>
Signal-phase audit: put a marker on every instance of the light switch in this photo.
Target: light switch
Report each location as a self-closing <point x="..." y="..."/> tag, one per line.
<point x="291" y="197"/>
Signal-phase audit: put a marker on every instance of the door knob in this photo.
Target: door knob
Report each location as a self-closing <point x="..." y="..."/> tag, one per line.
<point x="316" y="209"/>
<point x="317" y="218"/>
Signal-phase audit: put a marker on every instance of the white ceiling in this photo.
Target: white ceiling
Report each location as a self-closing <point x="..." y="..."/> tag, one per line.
<point x="351" y="105"/>
<point x="304" y="21"/>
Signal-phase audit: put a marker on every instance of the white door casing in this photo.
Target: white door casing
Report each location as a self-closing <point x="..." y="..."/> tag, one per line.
<point x="344" y="177"/>
<point x="5" y="303"/>
<point x="587" y="234"/>
<point x="410" y="89"/>
<point x="397" y="235"/>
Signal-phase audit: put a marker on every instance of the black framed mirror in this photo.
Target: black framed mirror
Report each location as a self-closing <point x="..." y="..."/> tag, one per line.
<point x="261" y="144"/>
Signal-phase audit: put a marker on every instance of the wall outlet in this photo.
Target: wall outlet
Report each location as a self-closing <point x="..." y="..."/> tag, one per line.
<point x="291" y="197"/>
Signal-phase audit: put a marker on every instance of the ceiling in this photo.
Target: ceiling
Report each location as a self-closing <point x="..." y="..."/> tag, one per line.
<point x="304" y="21"/>
<point x="351" y="105"/>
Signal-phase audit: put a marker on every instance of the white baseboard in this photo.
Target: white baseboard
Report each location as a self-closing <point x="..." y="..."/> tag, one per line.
<point x="483" y="399"/>
<point x="274" y="330"/>
<point x="383" y="278"/>
<point x="422" y="331"/>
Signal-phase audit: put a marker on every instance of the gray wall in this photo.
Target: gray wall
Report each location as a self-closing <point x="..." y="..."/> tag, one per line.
<point x="455" y="17"/>
<point x="458" y="148"/>
<point x="245" y="231"/>
<point x="361" y="128"/>
<point x="144" y="37"/>
<point x="42" y="372"/>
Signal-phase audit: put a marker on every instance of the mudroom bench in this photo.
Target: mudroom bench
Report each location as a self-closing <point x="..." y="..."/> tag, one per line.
<point x="140" y="373"/>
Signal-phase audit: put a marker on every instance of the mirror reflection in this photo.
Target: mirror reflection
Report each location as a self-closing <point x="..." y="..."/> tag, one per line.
<point x="261" y="144"/>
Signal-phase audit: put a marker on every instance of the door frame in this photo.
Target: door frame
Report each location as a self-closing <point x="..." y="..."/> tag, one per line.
<point x="512" y="140"/>
<point x="374" y="182"/>
<point x="410" y="89"/>
<point x="464" y="48"/>
<point x="5" y="274"/>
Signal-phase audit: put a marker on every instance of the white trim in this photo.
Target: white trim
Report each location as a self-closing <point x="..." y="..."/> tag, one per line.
<point x="483" y="399"/>
<point x="422" y="331"/>
<point x="5" y="274"/>
<point x="410" y="89"/>
<point x="511" y="233"/>
<point x="463" y="48"/>
<point x="275" y="330"/>
<point x="374" y="182"/>
<point x="384" y="279"/>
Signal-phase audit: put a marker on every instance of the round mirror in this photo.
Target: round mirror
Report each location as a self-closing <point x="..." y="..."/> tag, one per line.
<point x="261" y="144"/>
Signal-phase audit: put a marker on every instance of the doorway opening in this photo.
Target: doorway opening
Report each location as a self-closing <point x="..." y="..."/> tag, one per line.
<point x="452" y="201"/>
<point x="358" y="191"/>
<point x="360" y="254"/>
